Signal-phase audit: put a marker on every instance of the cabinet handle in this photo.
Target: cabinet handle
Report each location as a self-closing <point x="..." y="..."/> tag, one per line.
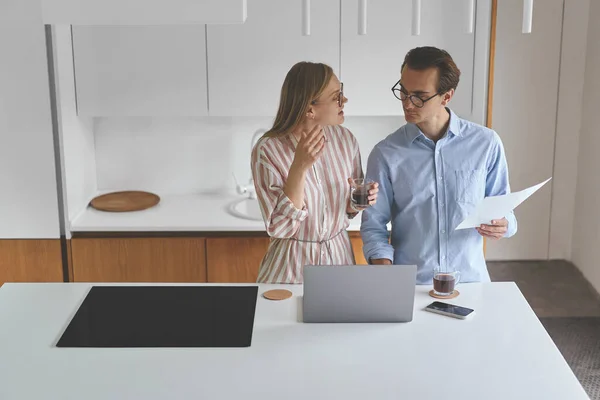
<point x="471" y="15"/>
<point x="306" y="17"/>
<point x="527" y="15"/>
<point x="362" y="17"/>
<point x="416" y="17"/>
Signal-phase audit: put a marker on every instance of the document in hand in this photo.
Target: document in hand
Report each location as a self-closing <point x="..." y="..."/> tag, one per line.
<point x="497" y="207"/>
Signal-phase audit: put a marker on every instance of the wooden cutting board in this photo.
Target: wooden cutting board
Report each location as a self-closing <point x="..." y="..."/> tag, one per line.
<point x="131" y="200"/>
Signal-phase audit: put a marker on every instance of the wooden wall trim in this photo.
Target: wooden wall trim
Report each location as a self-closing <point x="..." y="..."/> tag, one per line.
<point x="490" y="92"/>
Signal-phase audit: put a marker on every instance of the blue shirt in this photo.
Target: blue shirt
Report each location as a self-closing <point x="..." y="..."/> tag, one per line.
<point x="426" y="189"/>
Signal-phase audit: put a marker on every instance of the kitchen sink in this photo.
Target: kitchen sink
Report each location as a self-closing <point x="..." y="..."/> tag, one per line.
<point x="246" y="209"/>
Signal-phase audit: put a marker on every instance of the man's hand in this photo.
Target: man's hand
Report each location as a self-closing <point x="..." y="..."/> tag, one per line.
<point x="496" y="230"/>
<point x="381" y="261"/>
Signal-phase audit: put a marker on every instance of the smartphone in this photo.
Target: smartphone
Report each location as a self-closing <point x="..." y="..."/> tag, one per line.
<point x="449" y="310"/>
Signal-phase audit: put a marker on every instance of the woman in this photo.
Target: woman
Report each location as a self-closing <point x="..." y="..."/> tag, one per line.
<point x="301" y="170"/>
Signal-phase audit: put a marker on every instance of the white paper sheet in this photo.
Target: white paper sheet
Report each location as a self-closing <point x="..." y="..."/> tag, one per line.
<point x="497" y="207"/>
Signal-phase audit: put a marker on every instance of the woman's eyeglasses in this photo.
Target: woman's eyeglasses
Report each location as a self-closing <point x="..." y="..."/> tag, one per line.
<point x="403" y="96"/>
<point x="340" y="97"/>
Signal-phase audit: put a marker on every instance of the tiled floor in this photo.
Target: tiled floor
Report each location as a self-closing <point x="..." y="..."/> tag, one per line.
<point x="569" y="309"/>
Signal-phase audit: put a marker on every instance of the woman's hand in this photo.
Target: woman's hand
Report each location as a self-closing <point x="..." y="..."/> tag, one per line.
<point x="372" y="198"/>
<point x="310" y="147"/>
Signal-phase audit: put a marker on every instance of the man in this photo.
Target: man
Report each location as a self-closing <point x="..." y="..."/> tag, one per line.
<point x="432" y="172"/>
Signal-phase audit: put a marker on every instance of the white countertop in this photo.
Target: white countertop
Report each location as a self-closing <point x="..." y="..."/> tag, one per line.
<point x="208" y="213"/>
<point x="502" y="352"/>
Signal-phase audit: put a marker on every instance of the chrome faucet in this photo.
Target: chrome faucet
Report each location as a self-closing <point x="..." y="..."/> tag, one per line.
<point x="249" y="187"/>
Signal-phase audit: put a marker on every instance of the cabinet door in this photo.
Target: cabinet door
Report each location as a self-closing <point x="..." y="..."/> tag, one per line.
<point x="143" y="12"/>
<point x="30" y="260"/>
<point x="140" y="70"/>
<point x="28" y="201"/>
<point x="247" y="63"/>
<point x="357" y="248"/>
<point x="371" y="62"/>
<point x="235" y="260"/>
<point x="138" y="259"/>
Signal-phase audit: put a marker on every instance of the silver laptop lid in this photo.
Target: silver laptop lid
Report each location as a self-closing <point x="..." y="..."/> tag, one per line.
<point x="359" y="293"/>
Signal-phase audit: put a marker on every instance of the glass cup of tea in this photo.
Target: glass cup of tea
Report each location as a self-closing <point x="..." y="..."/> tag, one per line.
<point x="444" y="281"/>
<point x="360" y="191"/>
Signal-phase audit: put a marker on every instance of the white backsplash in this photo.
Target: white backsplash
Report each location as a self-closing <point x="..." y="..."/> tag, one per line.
<point x="195" y="155"/>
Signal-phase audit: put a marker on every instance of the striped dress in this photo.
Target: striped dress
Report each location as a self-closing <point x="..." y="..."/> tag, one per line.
<point x="315" y="234"/>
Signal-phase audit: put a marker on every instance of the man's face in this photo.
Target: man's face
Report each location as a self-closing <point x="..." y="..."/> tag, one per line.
<point x="423" y="85"/>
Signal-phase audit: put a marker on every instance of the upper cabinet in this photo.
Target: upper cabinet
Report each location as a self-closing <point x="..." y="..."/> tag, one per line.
<point x="248" y="63"/>
<point x="140" y="70"/>
<point x="238" y="69"/>
<point x="143" y="12"/>
<point x="377" y="35"/>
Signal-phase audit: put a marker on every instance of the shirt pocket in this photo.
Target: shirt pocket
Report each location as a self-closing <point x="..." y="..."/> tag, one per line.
<point x="470" y="185"/>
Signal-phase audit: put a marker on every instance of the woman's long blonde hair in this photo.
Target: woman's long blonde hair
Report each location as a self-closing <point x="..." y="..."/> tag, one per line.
<point x="304" y="83"/>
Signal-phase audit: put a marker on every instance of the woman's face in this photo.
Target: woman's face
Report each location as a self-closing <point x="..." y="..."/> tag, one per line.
<point x="328" y="108"/>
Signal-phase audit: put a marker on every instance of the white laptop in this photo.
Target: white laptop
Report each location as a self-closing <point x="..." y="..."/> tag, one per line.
<point x="359" y="293"/>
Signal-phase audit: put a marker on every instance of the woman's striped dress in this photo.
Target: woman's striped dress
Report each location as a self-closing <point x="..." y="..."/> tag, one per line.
<point x="315" y="234"/>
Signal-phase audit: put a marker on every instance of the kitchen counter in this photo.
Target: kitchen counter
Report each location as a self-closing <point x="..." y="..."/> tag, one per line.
<point x="207" y="213"/>
<point x="501" y="352"/>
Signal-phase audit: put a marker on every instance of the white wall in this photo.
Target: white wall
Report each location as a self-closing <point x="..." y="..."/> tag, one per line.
<point x="586" y="229"/>
<point x="28" y="194"/>
<point x="76" y="133"/>
<point x="194" y="155"/>
<point x="524" y="115"/>
<point x="568" y="127"/>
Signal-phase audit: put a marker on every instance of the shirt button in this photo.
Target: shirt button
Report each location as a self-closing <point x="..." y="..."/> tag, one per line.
<point x="443" y="257"/>
<point x="443" y="231"/>
<point x="441" y="178"/>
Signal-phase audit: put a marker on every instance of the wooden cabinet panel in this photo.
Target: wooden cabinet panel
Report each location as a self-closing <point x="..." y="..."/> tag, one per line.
<point x="235" y="260"/>
<point x="139" y="259"/>
<point x="30" y="260"/>
<point x="357" y="245"/>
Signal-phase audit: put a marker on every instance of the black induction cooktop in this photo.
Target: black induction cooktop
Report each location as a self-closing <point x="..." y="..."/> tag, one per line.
<point x="163" y="316"/>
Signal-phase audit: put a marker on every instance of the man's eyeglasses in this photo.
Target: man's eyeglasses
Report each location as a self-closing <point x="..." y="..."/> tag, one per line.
<point x="340" y="98"/>
<point x="402" y="96"/>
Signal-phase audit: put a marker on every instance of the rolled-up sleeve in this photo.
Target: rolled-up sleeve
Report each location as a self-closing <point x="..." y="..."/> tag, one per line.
<point x="497" y="182"/>
<point x="281" y="217"/>
<point x="374" y="222"/>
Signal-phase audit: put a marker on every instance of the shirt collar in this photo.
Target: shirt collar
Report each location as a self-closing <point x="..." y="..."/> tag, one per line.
<point x="453" y="127"/>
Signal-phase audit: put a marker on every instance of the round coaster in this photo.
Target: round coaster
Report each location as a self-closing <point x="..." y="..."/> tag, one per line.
<point x="437" y="296"/>
<point x="277" y="294"/>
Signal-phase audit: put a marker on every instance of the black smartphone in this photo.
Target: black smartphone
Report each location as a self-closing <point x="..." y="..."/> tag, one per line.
<point x="449" y="310"/>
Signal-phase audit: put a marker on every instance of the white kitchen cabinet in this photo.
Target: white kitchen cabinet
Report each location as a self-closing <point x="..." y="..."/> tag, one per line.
<point x="140" y="70"/>
<point x="248" y="63"/>
<point x="371" y="61"/>
<point x="143" y="12"/>
<point x="29" y="207"/>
